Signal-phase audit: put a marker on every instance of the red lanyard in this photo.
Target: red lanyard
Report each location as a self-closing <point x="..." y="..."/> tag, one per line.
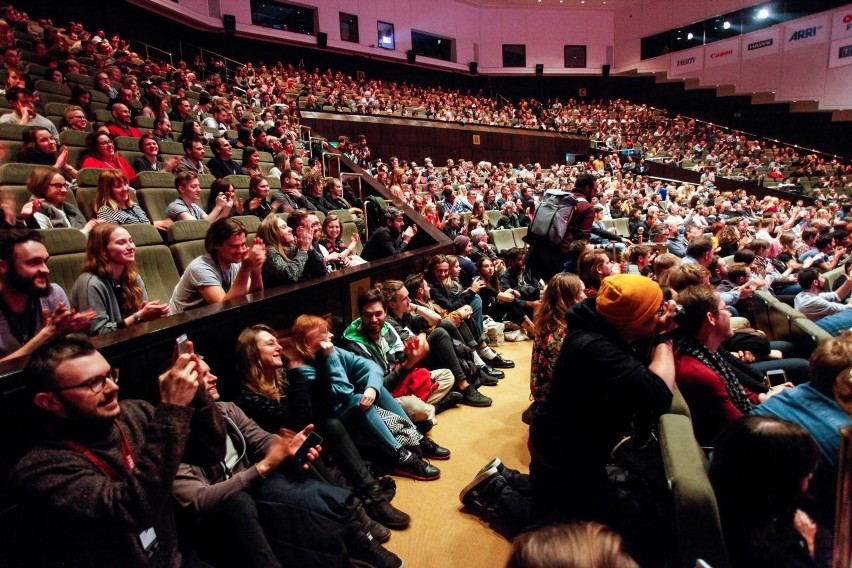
<point x="126" y="452"/>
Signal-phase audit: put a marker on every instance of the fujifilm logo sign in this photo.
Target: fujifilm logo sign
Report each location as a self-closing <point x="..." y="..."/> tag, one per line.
<point x="687" y="61"/>
<point x="760" y="44"/>
<point x="804" y="34"/>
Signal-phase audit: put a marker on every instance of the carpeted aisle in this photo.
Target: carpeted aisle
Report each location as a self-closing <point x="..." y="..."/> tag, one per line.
<point x="442" y="534"/>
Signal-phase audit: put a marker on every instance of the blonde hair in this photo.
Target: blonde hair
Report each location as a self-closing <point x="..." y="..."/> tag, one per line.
<point x="578" y="545"/>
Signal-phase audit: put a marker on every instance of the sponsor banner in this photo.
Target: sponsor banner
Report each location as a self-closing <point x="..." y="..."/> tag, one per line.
<point x="764" y="42"/>
<point x="721" y="53"/>
<point x="688" y="61"/>
<point x="841" y="24"/>
<point x="802" y="33"/>
<point x="841" y="53"/>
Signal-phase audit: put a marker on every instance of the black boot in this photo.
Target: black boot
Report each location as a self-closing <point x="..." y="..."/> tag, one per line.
<point x="380" y="510"/>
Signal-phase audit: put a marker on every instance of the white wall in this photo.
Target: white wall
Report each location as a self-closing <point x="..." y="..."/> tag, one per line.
<point x="544" y="31"/>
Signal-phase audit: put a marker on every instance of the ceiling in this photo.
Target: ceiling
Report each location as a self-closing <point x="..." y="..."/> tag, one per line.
<point x="574" y="4"/>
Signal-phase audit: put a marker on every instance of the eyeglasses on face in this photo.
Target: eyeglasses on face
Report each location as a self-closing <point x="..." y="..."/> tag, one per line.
<point x="96" y="384"/>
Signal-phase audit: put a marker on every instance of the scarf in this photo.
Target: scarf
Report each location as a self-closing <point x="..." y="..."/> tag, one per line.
<point x="720" y="363"/>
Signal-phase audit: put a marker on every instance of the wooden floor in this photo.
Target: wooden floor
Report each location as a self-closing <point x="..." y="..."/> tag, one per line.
<point x="443" y="534"/>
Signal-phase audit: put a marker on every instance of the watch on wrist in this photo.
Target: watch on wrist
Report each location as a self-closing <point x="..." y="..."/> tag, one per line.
<point x="137" y="318"/>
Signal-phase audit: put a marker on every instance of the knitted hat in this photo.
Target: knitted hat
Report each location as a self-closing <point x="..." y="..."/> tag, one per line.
<point x="460" y="242"/>
<point x="628" y="300"/>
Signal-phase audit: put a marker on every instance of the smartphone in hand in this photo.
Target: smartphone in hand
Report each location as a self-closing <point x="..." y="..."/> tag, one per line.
<point x="313" y="440"/>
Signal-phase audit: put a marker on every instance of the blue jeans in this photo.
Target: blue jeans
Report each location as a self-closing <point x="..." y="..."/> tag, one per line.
<point x="836" y="323"/>
<point x="476" y="305"/>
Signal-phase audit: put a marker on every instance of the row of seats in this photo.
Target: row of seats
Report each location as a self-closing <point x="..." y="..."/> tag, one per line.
<point x="153" y="190"/>
<point x="159" y="264"/>
<point x="505" y="239"/>
<point x="782" y="322"/>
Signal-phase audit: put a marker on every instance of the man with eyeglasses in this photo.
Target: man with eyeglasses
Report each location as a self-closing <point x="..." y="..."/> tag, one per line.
<point x="98" y="484"/>
<point x="33" y="311"/>
<point x="21" y="100"/>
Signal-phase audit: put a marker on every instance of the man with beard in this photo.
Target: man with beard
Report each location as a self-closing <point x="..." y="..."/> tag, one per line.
<point x="33" y="311"/>
<point x="96" y="489"/>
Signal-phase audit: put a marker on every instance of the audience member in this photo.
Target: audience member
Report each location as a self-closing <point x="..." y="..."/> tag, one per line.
<point x="48" y="208"/>
<point x="110" y="285"/>
<point x="227" y="271"/>
<point x="222" y="164"/>
<point x="288" y="255"/>
<point x="100" y="153"/>
<point x="186" y="207"/>
<point x="97" y="487"/>
<point x="150" y="160"/>
<point x="34" y="310"/>
<point x="248" y="510"/>
<point x="760" y="471"/>
<point x="23" y="111"/>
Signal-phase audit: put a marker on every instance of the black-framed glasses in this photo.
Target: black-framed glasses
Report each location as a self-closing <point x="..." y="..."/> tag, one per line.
<point x="662" y="309"/>
<point x="97" y="383"/>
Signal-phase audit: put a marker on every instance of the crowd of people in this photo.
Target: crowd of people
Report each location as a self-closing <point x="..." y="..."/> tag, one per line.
<point x="655" y="305"/>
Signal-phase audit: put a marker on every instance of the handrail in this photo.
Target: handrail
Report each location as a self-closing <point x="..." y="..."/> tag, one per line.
<point x="149" y="47"/>
<point x="202" y="51"/>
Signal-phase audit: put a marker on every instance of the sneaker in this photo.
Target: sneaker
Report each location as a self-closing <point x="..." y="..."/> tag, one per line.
<point x="409" y="465"/>
<point x="498" y="362"/>
<point x="432" y="450"/>
<point x="495" y="463"/>
<point x="472" y="397"/>
<point x="368" y="525"/>
<point x="482" y="493"/>
<point x="452" y="399"/>
<point x="371" y="552"/>
<point x="387" y="515"/>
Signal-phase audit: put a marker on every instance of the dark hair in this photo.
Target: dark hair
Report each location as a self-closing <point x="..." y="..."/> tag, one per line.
<point x="737" y="270"/>
<point x="413" y="282"/>
<point x="220" y="231"/>
<point x="184" y="178"/>
<point x="823" y="241"/>
<point x="513" y="253"/>
<point x="699" y="247"/>
<point x="295" y="218"/>
<point x="757" y="470"/>
<point x="807" y="277"/>
<point x="746" y="256"/>
<point x="369" y="297"/>
<point x="697" y="302"/>
<point x="10" y="239"/>
<point x="585" y="180"/>
<point x="188" y="135"/>
<point x="391" y="213"/>
<point x="147" y="136"/>
<point x="42" y="364"/>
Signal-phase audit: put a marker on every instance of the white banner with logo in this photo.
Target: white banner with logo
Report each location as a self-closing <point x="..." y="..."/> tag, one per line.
<point x="802" y="33"/>
<point x="841" y="24"/>
<point x="721" y="53"/>
<point x="841" y="53"/>
<point x="688" y="61"/>
<point x="764" y="42"/>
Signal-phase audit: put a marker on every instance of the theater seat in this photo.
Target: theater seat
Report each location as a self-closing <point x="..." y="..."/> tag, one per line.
<point x="519" y="234"/>
<point x="63" y="240"/>
<point x="698" y="531"/>
<point x="158" y="270"/>
<point x="185" y="252"/>
<point x="191" y="230"/>
<point x="251" y="222"/>
<point x="155" y="200"/>
<point x="503" y="240"/>
<point x="154" y="179"/>
<point x="65" y="268"/>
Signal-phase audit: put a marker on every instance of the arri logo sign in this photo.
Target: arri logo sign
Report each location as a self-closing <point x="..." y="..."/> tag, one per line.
<point x="687" y="61"/>
<point x="804" y="34"/>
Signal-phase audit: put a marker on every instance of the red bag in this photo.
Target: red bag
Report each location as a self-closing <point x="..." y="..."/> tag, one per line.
<point x="418" y="383"/>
